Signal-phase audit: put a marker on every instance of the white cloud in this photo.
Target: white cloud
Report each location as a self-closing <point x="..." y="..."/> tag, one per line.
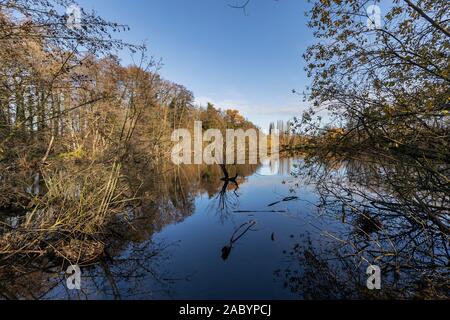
<point x="246" y="108"/>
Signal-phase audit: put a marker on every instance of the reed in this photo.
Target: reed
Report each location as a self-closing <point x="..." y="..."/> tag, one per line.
<point x="70" y="218"/>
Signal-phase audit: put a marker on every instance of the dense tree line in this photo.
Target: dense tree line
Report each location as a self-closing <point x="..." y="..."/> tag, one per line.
<point x="64" y="94"/>
<point x="84" y="138"/>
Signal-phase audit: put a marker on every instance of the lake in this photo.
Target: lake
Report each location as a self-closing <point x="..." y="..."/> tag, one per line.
<point x="271" y="234"/>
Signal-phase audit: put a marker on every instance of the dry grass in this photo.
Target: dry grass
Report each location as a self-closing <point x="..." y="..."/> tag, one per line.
<point x="69" y="219"/>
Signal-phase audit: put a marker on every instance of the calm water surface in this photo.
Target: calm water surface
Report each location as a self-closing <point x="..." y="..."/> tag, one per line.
<point x="269" y="237"/>
<point x="233" y="246"/>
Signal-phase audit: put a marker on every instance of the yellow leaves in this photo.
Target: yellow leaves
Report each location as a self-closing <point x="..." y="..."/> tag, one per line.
<point x="73" y="155"/>
<point x="429" y="105"/>
<point x="445" y="73"/>
<point x="325" y="2"/>
<point x="234" y="117"/>
<point x="325" y="17"/>
<point x="389" y="110"/>
<point x="335" y="133"/>
<point x="363" y="58"/>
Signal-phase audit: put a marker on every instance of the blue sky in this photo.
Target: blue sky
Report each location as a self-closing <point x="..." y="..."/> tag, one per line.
<point x="246" y="62"/>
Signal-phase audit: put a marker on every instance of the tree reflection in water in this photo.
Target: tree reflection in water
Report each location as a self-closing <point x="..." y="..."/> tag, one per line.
<point x="227" y="199"/>
<point x="129" y="264"/>
<point x="390" y="213"/>
<point x="394" y="213"/>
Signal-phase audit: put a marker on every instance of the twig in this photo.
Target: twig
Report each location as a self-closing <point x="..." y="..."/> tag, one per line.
<point x="260" y="211"/>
